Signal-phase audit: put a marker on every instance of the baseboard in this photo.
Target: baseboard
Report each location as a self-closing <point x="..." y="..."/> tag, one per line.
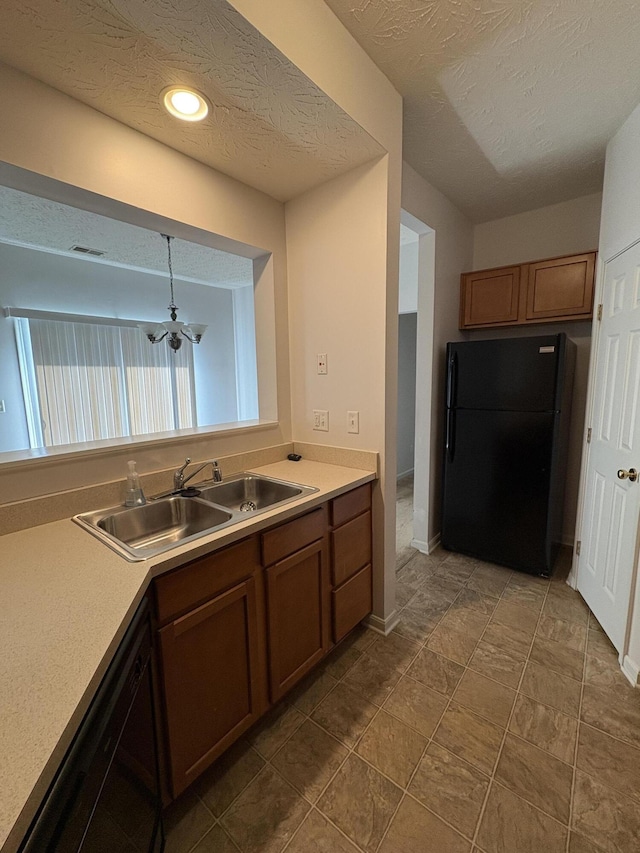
<point x="434" y="543"/>
<point x="419" y="545"/>
<point x="383" y="626"/>
<point x="631" y="670"/>
<point x="404" y="473"/>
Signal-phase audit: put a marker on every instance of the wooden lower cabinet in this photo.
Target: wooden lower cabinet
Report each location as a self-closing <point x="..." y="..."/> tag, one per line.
<point x="298" y="605"/>
<point x="211" y="670"/>
<point x="239" y="627"/>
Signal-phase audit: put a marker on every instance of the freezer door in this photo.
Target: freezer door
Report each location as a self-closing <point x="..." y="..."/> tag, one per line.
<point x="514" y="374"/>
<point x="497" y="474"/>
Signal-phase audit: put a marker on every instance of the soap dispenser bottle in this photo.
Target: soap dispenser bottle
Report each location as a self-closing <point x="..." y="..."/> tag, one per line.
<point x="135" y="495"/>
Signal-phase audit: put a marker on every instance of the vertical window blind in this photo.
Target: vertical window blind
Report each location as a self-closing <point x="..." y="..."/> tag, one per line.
<point x="85" y="382"/>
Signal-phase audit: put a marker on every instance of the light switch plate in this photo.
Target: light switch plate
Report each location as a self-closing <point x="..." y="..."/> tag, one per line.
<point x="353" y="422"/>
<point x="322" y="363"/>
<point x="321" y="420"/>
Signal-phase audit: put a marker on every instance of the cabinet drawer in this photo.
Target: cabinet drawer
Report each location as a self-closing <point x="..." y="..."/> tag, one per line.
<point x="351" y="603"/>
<point x="351" y="547"/>
<point x="291" y="537"/>
<point x="348" y="506"/>
<point x="190" y="585"/>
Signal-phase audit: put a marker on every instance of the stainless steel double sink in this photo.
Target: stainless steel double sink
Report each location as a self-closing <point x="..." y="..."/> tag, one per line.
<point x="140" y="532"/>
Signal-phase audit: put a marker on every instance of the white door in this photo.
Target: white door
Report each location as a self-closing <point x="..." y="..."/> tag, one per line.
<point x="610" y="515"/>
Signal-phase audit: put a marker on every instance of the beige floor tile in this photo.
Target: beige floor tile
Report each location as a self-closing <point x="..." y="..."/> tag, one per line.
<point x="456" y="569"/>
<point x="603" y="673"/>
<point x="470" y="737"/>
<point x="612" y="762"/>
<point x="452" y="644"/>
<point x="594" y="625"/>
<point x="340" y="661"/>
<point x="475" y="600"/>
<point x="186" y="821"/>
<point x="487" y="582"/>
<point x="579" y="844"/>
<point x="511" y="825"/>
<point x="416" y="705"/>
<point x="395" y="650"/>
<point x="372" y="678"/>
<point x="317" y="835"/>
<point x="361" y="802"/>
<point x="229" y="776"/>
<point x="502" y="666"/>
<point x="360" y="638"/>
<point x="266" y="814"/>
<point x="605" y="817"/>
<point x="467" y="620"/>
<point x="516" y="616"/>
<point x="404" y="593"/>
<point x="274" y="730"/>
<point x="417" y="624"/>
<point x="439" y="589"/>
<point x="345" y="714"/>
<point x="531" y="597"/>
<point x="509" y="639"/>
<point x="558" y="657"/>
<point x="569" y="634"/>
<point x="216" y="841"/>
<point x="392" y="747"/>
<point x="437" y="672"/>
<point x="311" y="691"/>
<point x="451" y="788"/>
<point x="545" y="727"/>
<point x="600" y="646"/>
<point x="551" y="688"/>
<point x="413" y="827"/>
<point x="616" y="713"/>
<point x="568" y="606"/>
<point x="485" y="697"/>
<point x="309" y="759"/>
<point x="538" y="777"/>
<point x="523" y="580"/>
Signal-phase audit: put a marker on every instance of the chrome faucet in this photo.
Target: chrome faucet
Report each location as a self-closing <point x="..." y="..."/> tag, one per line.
<point x="180" y="481"/>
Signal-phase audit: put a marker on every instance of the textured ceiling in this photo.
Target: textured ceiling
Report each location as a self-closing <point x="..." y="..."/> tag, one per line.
<point x="508" y="104"/>
<point x="269" y="125"/>
<point x="26" y="220"/>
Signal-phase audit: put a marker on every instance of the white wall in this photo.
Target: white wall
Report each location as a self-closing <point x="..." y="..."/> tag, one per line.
<point x="407" y="329"/>
<point x="620" y="228"/>
<point x="336" y="246"/>
<point x="453" y="255"/>
<point x="408" y="277"/>
<point x="559" y="229"/>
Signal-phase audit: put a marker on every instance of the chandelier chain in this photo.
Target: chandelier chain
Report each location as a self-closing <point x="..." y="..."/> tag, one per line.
<point x="173" y="304"/>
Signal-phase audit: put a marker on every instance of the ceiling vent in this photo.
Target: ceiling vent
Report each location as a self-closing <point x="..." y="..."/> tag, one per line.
<point x="84" y="250"/>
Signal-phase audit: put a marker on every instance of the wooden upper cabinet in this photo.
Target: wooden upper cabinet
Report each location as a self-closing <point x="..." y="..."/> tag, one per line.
<point x="490" y="297"/>
<point x="561" y="288"/>
<point x="548" y="291"/>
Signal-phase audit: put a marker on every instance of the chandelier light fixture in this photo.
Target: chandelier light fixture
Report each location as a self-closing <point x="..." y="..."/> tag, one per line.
<point x="174" y="329"/>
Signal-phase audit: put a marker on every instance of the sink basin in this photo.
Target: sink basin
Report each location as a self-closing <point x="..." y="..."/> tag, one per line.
<point x="144" y="531"/>
<point x="252" y="493"/>
<point x="163" y="523"/>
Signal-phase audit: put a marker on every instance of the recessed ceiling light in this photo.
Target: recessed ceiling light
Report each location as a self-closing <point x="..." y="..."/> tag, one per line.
<point x="185" y="104"/>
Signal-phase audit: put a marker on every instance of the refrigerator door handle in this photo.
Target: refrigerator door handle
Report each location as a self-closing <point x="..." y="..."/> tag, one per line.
<point x="450" y="434"/>
<point x="452" y="380"/>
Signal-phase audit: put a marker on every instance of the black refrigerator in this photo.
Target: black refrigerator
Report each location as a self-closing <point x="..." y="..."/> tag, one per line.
<point x="508" y="407"/>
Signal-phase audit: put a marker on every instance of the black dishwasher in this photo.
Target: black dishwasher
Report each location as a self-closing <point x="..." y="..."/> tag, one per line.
<point x="105" y="797"/>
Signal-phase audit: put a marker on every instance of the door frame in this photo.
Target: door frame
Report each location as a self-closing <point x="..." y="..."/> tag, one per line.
<point x="629" y="668"/>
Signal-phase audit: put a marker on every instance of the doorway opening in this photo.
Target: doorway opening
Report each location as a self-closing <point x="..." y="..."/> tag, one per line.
<point x="415" y="368"/>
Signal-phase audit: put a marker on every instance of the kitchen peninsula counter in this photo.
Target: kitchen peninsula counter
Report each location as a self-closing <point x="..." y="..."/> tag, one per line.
<point x="68" y="599"/>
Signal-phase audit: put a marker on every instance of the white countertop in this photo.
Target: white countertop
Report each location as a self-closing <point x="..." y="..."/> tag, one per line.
<point x="66" y="602"/>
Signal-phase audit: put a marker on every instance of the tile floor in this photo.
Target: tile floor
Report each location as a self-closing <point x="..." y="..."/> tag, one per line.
<point x="494" y="718"/>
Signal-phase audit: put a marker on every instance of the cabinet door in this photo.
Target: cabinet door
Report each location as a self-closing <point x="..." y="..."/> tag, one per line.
<point x="298" y="602"/>
<point x="490" y="297"/>
<point x="210" y="661"/>
<point x="561" y="288"/>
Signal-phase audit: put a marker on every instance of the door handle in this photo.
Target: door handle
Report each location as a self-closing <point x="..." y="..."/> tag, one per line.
<point x="631" y="474"/>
